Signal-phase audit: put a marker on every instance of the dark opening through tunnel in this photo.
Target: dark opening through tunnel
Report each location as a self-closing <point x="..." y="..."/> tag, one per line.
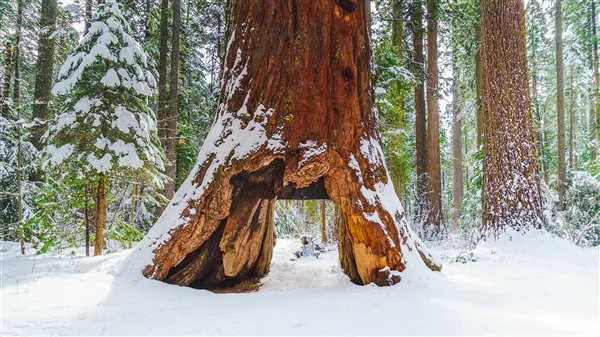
<point x="247" y="234"/>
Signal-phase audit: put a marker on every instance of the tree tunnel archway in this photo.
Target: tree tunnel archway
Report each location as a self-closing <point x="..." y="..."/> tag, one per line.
<point x="295" y="119"/>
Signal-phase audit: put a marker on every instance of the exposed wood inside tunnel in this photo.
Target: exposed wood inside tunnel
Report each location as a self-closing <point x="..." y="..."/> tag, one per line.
<point x="295" y="121"/>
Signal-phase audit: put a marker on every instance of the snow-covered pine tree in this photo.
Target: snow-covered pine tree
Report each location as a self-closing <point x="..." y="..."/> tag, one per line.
<point x="105" y="126"/>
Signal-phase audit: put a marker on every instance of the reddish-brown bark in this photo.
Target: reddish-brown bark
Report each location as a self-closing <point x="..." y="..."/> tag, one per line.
<point x="162" y="72"/>
<point x="172" y="107"/>
<point x="295" y="119"/>
<point x="100" y="215"/>
<point x="457" y="158"/>
<point x="511" y="194"/>
<point x="420" y="111"/>
<point x="434" y="170"/>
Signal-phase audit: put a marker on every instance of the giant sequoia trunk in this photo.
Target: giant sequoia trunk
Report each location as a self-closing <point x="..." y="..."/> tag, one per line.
<point x="294" y="121"/>
<point x="511" y="192"/>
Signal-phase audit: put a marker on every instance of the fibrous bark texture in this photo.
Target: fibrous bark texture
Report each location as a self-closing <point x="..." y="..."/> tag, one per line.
<point x="457" y="180"/>
<point x="162" y="72"/>
<point x="420" y="111"/>
<point x="43" y="76"/>
<point x="434" y="170"/>
<point x="511" y="194"/>
<point x="172" y="109"/>
<point x="100" y="215"/>
<point x="295" y="120"/>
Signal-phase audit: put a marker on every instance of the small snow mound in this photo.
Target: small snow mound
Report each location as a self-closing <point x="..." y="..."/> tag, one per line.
<point x="540" y="250"/>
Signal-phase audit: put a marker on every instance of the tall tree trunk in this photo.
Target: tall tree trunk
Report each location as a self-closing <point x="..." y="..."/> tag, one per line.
<point x="541" y="139"/>
<point x="597" y="86"/>
<point x="171" y="131"/>
<point x="162" y="72"/>
<point x="560" y="106"/>
<point x="89" y="4"/>
<point x="132" y="214"/>
<point x="8" y="72"/>
<point x="397" y="42"/>
<point x="466" y="152"/>
<point x="397" y="26"/>
<point x="100" y="215"/>
<point x="17" y="56"/>
<point x="420" y="112"/>
<point x="458" y="184"/>
<point x="218" y="58"/>
<point x="87" y="217"/>
<point x="538" y="116"/>
<point x="323" y="222"/>
<point x="478" y="83"/>
<point x="572" y="124"/>
<point x="457" y="160"/>
<point x="511" y="195"/>
<point x="16" y="106"/>
<point x="147" y="16"/>
<point x="434" y="174"/>
<point x="43" y="78"/>
<point x="295" y="110"/>
<point x="368" y="16"/>
<point x="20" y="191"/>
<point x="591" y="136"/>
<point x="397" y="33"/>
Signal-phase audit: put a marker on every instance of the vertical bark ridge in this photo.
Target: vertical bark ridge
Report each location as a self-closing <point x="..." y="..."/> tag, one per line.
<point x="434" y="174"/>
<point x="511" y="196"/>
<point x="419" y="92"/>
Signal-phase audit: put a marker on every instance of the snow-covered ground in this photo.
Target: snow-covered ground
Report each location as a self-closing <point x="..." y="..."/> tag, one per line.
<point x="532" y="285"/>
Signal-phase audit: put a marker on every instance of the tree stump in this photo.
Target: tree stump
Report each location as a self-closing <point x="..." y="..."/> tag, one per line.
<point x="295" y="121"/>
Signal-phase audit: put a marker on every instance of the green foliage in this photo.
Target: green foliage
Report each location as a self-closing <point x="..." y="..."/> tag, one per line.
<point x="105" y="124"/>
<point x="202" y="47"/>
<point x="123" y="233"/>
<point x="288" y="221"/>
<point x="472" y="207"/>
<point x="579" y="221"/>
<point x="197" y="106"/>
<point x="393" y="86"/>
<point x="294" y="218"/>
<point x="58" y="222"/>
<point x="13" y="134"/>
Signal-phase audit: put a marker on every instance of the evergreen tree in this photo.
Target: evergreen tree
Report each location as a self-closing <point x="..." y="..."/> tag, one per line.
<point x="511" y="194"/>
<point x="105" y="126"/>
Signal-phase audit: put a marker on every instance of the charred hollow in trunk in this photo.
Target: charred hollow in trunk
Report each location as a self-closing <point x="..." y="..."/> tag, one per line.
<point x="295" y="120"/>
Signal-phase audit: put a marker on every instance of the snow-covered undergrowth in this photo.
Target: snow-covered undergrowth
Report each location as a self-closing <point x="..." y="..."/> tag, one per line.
<point x="535" y="284"/>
